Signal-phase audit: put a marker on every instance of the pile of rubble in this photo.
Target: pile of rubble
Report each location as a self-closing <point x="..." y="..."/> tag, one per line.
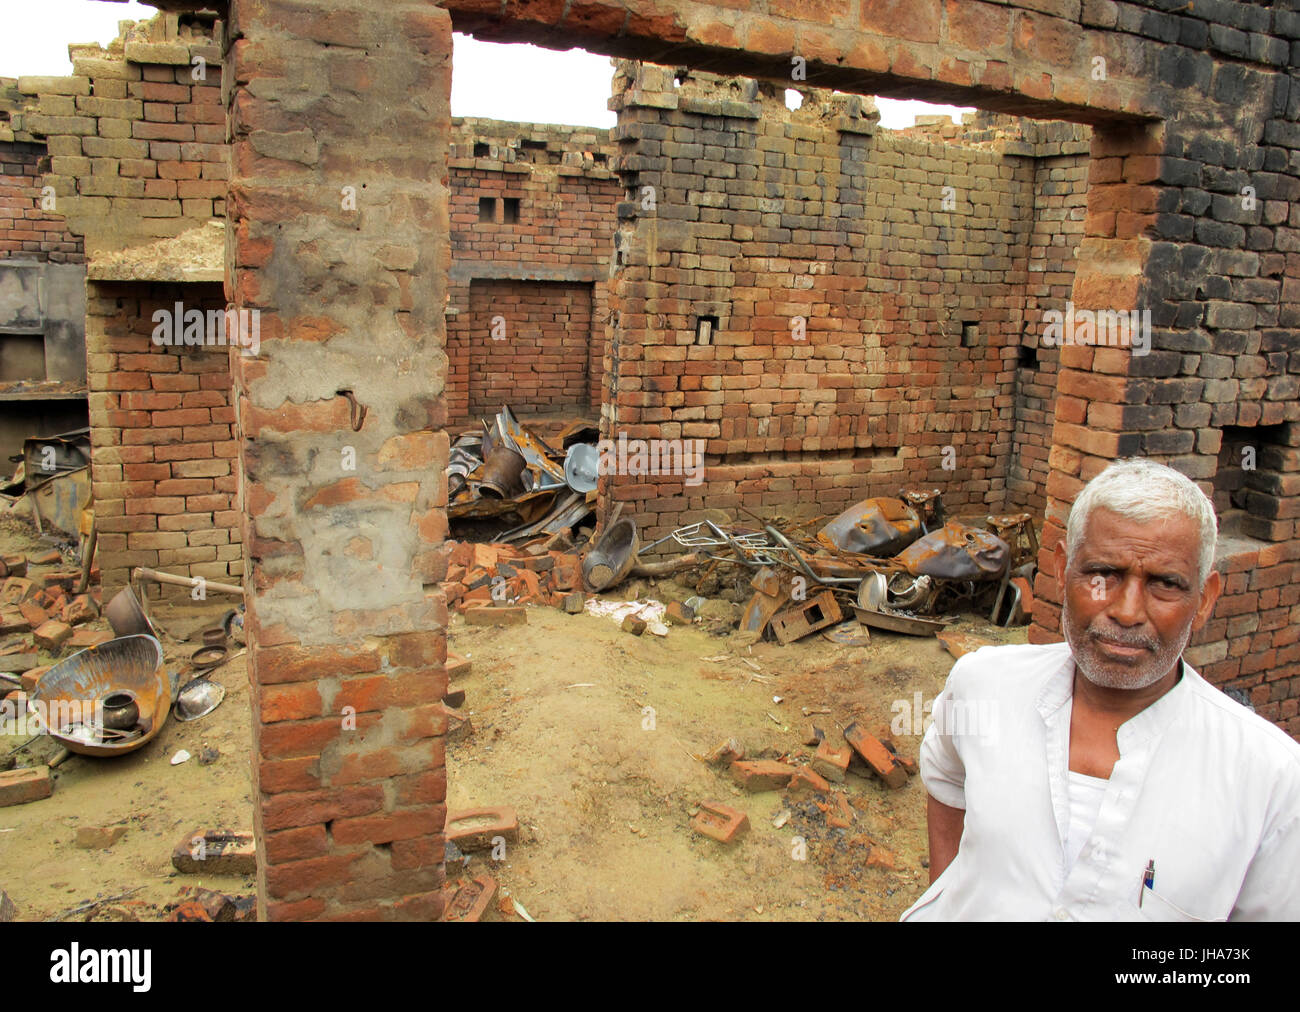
<point x="49" y="610"/>
<point x="819" y="780"/>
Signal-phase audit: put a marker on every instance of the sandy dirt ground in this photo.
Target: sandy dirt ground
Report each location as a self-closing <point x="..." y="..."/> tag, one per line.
<point x="562" y="712"/>
<point x="590" y="733"/>
<point x="41" y="867"/>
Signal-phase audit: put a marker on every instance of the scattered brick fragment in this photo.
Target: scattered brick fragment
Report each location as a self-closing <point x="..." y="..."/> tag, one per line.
<point x="496" y="616"/>
<point x="99" y="837"/>
<point x="721" y="822"/>
<point x="804" y="781"/>
<point x="474" y="828"/>
<point x="874" y="753"/>
<point x="469" y="900"/>
<point x="678" y="614"/>
<point x="52" y="635"/>
<point x="215" y="852"/>
<point x="762" y="774"/>
<point x="20" y="786"/>
<point x="831" y="762"/>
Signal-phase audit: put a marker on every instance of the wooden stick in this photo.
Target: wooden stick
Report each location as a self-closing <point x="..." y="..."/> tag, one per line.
<point x="141" y="573"/>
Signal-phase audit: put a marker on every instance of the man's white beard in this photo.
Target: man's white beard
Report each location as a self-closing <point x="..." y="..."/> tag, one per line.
<point x="1111" y="675"/>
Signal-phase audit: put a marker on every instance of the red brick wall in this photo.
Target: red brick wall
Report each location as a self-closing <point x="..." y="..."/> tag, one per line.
<point x="26" y="231"/>
<point x="540" y="365"/>
<point x="567" y="192"/>
<point x="162" y="430"/>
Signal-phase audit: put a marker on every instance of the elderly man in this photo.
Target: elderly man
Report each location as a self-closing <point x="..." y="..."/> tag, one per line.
<point x="1105" y="779"/>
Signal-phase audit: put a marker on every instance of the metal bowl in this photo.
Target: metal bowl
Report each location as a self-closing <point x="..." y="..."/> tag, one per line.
<point x="126" y="616"/>
<point x="73" y="692"/>
<point x="198" y="698"/>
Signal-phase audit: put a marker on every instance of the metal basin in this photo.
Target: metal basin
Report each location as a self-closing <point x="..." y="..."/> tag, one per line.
<point x="70" y="690"/>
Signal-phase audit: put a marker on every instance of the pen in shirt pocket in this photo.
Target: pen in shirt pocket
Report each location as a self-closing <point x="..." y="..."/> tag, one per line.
<point x="1148" y="880"/>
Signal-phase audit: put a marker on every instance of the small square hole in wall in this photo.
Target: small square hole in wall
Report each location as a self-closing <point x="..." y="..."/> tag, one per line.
<point x="487" y="208"/>
<point x="482" y="150"/>
<point x="1027" y="357"/>
<point x="510" y="210"/>
<point x="705" y="327"/>
<point x="970" y="335"/>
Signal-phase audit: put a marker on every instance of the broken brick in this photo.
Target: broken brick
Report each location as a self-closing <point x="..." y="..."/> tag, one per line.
<point x="52" y="635"/>
<point x="474" y="828"/>
<point x="80" y="609"/>
<point x="831" y="762"/>
<point x="678" y="614"/>
<point x="634" y="625"/>
<point x="720" y="822"/>
<point x="762" y="774"/>
<point x="804" y="780"/>
<point x="468" y="901"/>
<point x="35" y="615"/>
<point x="98" y="837"/>
<point x="64" y="579"/>
<point x="16" y="590"/>
<point x="83" y="638"/>
<point x="215" y="852"/>
<point x="20" y="786"/>
<point x="725" y="754"/>
<point x="496" y="616"/>
<point x="457" y="666"/>
<point x="874" y="753"/>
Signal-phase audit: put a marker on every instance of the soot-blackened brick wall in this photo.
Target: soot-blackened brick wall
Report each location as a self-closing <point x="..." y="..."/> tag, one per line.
<point x="532" y="216"/>
<point x="871" y="291"/>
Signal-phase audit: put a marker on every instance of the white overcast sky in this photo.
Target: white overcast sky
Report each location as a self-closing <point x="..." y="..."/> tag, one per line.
<point x="515" y="82"/>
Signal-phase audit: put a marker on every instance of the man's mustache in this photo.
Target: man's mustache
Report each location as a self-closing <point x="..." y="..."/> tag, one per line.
<point x="1122" y="637"/>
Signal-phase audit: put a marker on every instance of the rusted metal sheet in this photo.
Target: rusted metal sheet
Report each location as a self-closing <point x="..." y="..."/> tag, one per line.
<point x="60" y="500"/>
<point x="957" y="552"/>
<point x="882" y="527"/>
<point x="820" y="611"/>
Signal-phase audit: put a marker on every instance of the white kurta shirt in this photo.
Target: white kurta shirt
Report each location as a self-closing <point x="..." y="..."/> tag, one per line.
<point x="1203" y="787"/>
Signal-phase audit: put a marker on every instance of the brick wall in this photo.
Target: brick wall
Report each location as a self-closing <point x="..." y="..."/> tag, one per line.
<point x="163" y="442"/>
<point x="540" y="364"/>
<point x="905" y="257"/>
<point x="27" y="231"/>
<point x="1056" y="223"/>
<point x="566" y="191"/>
<point x="136" y="135"/>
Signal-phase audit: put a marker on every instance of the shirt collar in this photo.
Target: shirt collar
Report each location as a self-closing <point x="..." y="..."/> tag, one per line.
<point x="1139" y="728"/>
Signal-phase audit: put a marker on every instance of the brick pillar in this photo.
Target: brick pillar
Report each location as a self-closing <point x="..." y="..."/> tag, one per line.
<point x="1103" y="410"/>
<point x="337" y="234"/>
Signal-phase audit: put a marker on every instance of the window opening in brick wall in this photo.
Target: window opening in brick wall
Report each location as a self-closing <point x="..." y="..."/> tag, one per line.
<point x="1254" y="473"/>
<point x="487" y="208"/>
<point x="970" y="335"/>
<point x="510" y="210"/>
<point x="481" y="150"/>
<point x="1027" y="357"/>
<point x="705" y="326"/>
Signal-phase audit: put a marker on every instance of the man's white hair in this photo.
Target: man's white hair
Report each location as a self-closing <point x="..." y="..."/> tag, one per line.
<point x="1144" y="491"/>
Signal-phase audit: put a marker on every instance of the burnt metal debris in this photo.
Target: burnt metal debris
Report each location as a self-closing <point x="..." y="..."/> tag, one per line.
<point x="508" y="477"/>
<point x="895" y="563"/>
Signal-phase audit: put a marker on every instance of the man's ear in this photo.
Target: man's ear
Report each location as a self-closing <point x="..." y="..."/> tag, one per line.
<point x="1060" y="565"/>
<point x="1209" y="597"/>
